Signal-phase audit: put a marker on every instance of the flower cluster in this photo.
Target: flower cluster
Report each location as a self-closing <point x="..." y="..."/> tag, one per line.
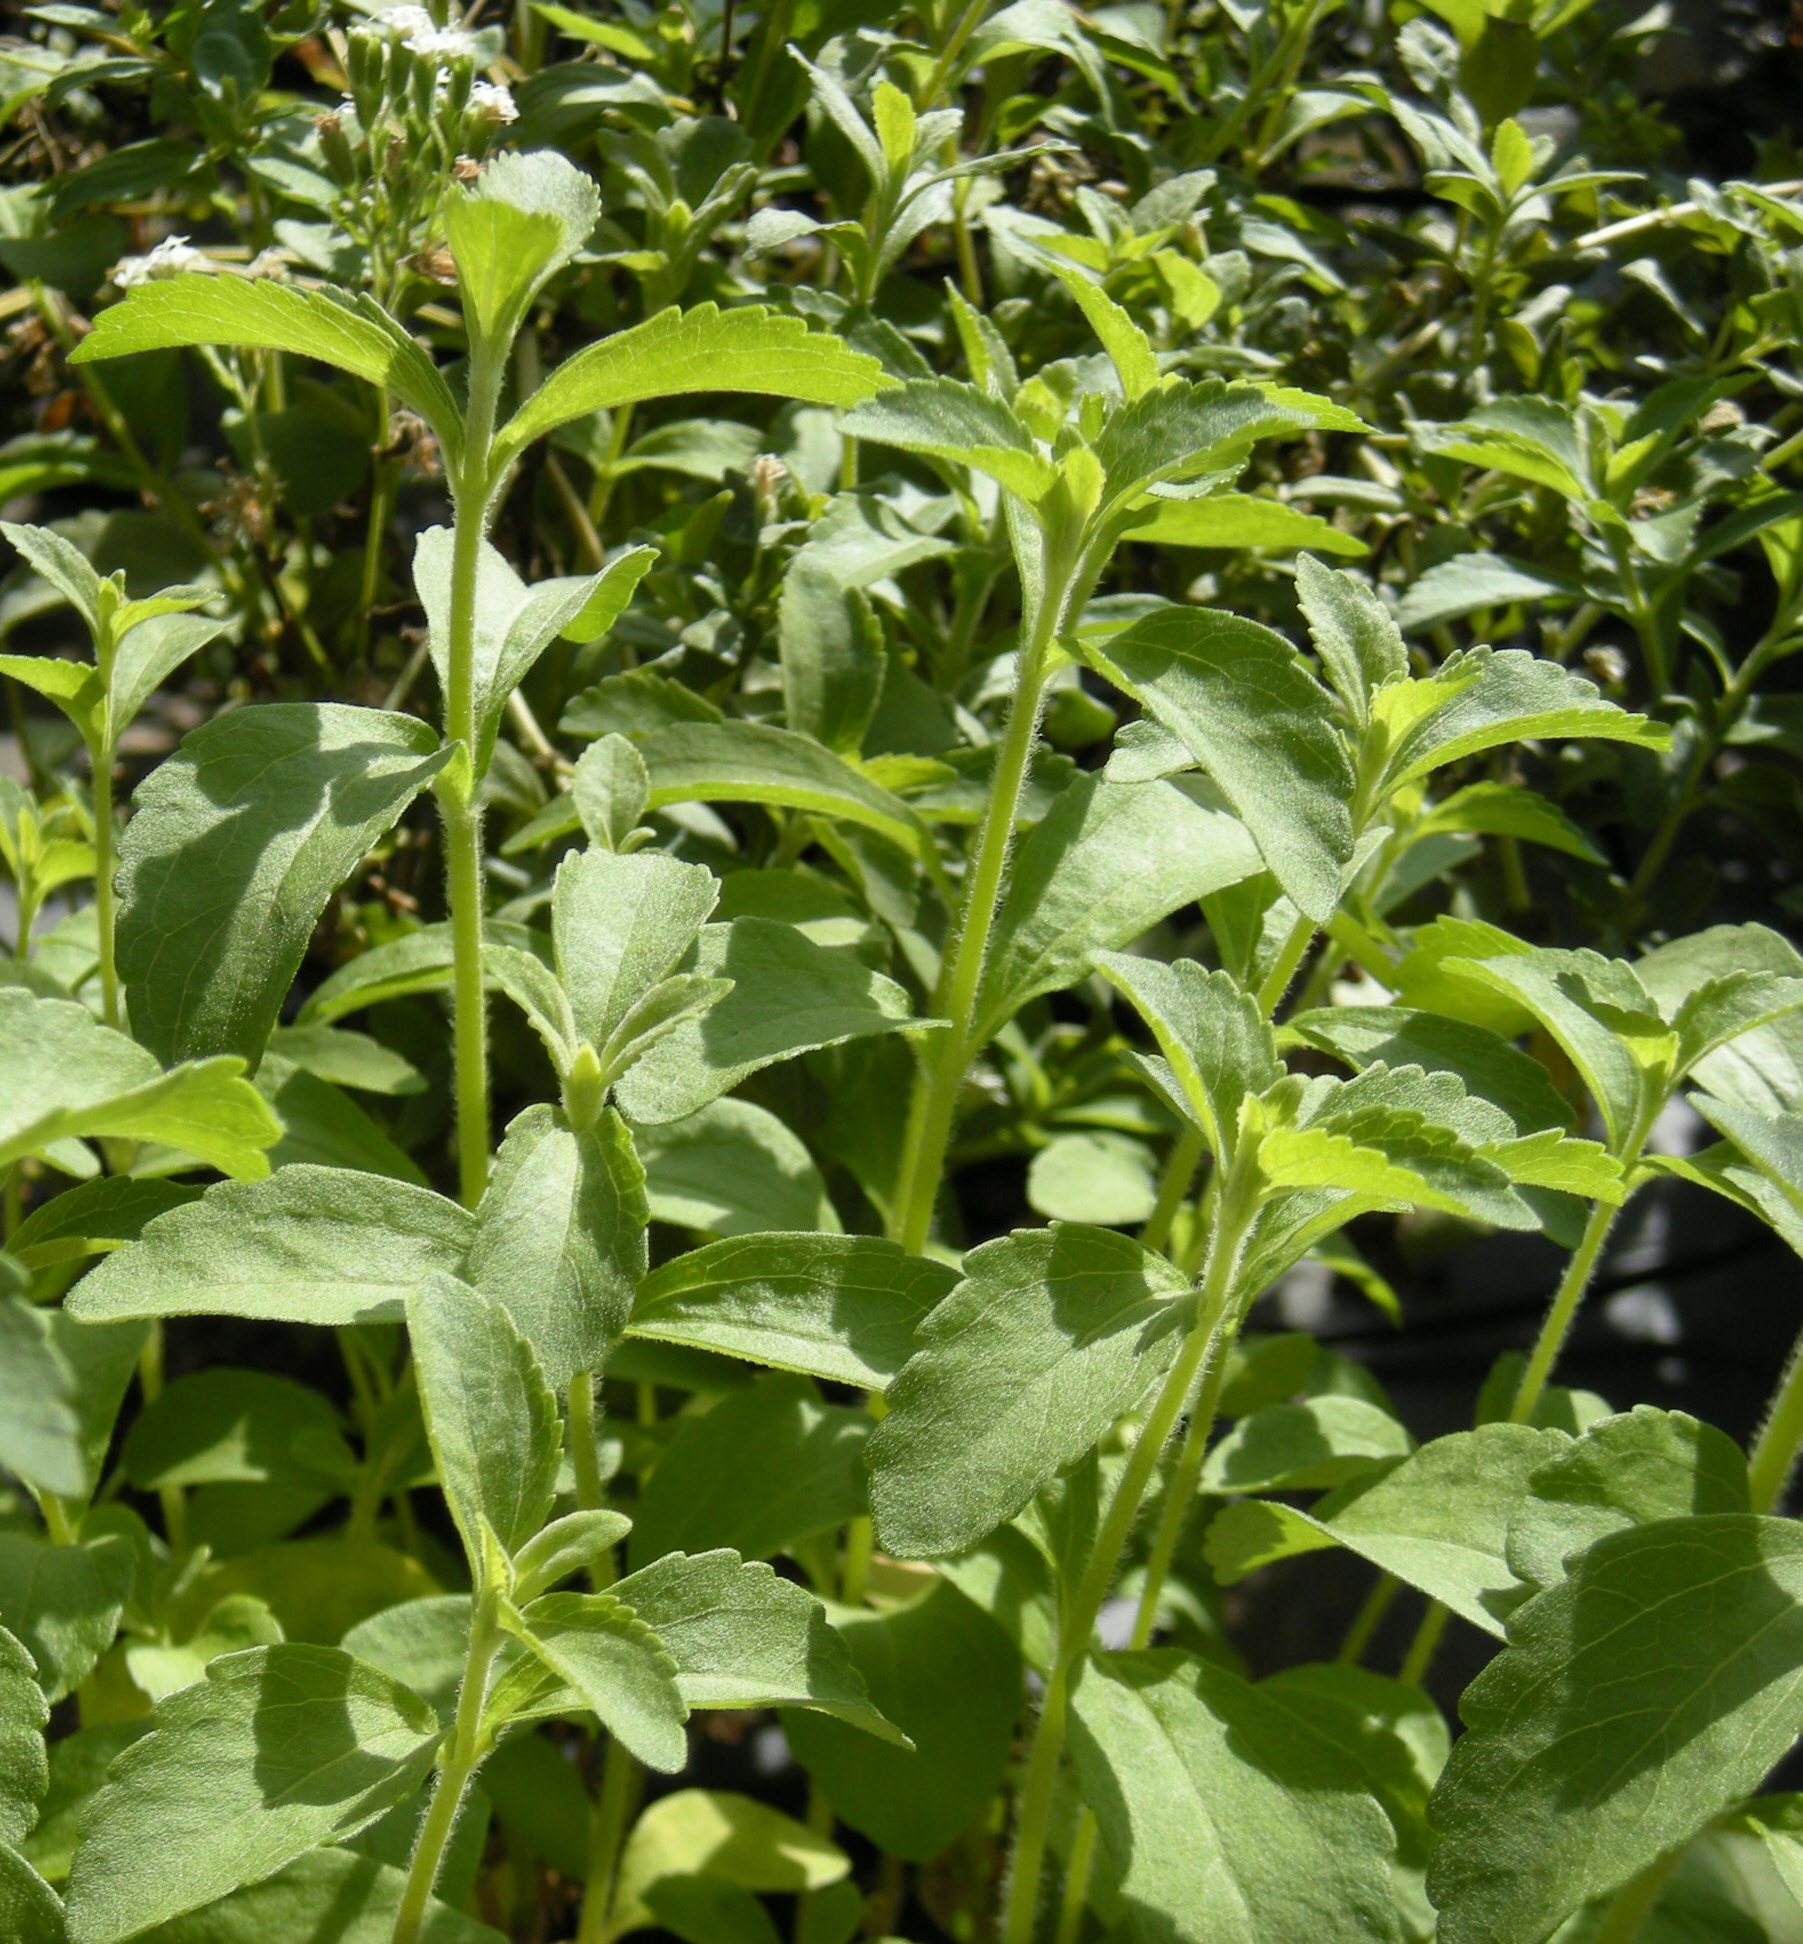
<point x="170" y="258"/>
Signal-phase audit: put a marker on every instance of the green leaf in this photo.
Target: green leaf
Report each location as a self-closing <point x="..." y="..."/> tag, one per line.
<point x="732" y="1169"/>
<point x="40" y="1427"/>
<point x="1438" y="1520"/>
<point x="1646" y="1692"/>
<point x="841" y="1307"/>
<point x="278" y="1750"/>
<point x="62" y="1603"/>
<point x="750" y="762"/>
<point x="491" y="1416"/>
<point x="354" y="334"/>
<point x="309" y="1245"/>
<point x="611" y="790"/>
<point x="335" y="1893"/>
<point x="1496" y="696"/>
<point x="576" y="1543"/>
<point x="224" y="1426"/>
<point x="740" y="1637"/>
<point x="68" y="1075"/>
<point x="702" y="349"/>
<point x="1601" y="1014"/>
<point x="1129" y="349"/>
<point x="1211" y="1033"/>
<point x="1358" y="641"/>
<point x="58" y="560"/>
<point x="1239" y="522"/>
<point x="950" y="1679"/>
<point x="239" y="839"/>
<point x="1763" y="1068"/>
<point x="1050" y="1337"/>
<point x="512" y="230"/>
<point x="617" y="1667"/>
<point x="1508" y="810"/>
<point x="621" y="925"/>
<point x="1224" y="1813"/>
<point x="1321" y="1442"/>
<point x="1398" y="1036"/>
<point x="1183" y="430"/>
<point x="1239" y="699"/>
<point x="24" y="1771"/>
<point x="942" y="419"/>
<point x="513" y="624"/>
<point x="788" y="996"/>
<point x="29" y="1910"/>
<point x="1105" y="1178"/>
<point x="761" y="1470"/>
<point x="711" y="1832"/>
<point x="151" y="652"/>
<point x="1721" y="1009"/>
<point x="560" y="1237"/>
<point x="1104" y="865"/>
<point x="1626" y="1470"/>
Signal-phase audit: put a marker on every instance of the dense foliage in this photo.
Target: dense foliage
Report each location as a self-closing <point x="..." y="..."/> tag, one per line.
<point x="756" y="755"/>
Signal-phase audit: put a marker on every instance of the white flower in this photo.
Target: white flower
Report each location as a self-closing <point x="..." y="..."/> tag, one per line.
<point x="170" y="258"/>
<point x="414" y="28"/>
<point x="491" y="99"/>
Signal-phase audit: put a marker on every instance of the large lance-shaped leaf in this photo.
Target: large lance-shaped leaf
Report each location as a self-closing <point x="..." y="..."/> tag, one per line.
<point x="514" y="228"/>
<point x="351" y="333"/>
<point x="1761" y="1068"/>
<point x="741" y="1637"/>
<point x="278" y="1750"/>
<point x="1482" y="697"/>
<point x="621" y="924"/>
<point x="1645" y="1693"/>
<point x="751" y="762"/>
<point x="1239" y="699"/>
<point x="560" y="1238"/>
<point x="1052" y="1334"/>
<point x="1438" y="1520"/>
<point x="309" y="1245"/>
<point x="842" y="1307"/>
<point x="1359" y="643"/>
<point x="943" y="419"/>
<point x="1105" y="864"/>
<point x="62" y="1603"/>
<point x="1182" y="430"/>
<point x="703" y="349"/>
<point x="1226" y="1815"/>
<point x="67" y="1075"/>
<point x="491" y="1415"/>
<point x="615" y="1666"/>
<point x="788" y="996"/>
<point x="238" y="841"/>
<point x="1236" y="521"/>
<point x="24" y="1771"/>
<point x="1212" y="1034"/>
<point x="40" y="1426"/>
<point x="514" y="623"/>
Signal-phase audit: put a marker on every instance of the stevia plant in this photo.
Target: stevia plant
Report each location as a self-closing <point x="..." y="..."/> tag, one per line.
<point x="947" y="898"/>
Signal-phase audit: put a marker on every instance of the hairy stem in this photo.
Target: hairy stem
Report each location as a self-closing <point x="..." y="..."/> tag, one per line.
<point x="1563" y="1311"/>
<point x="934" y="1106"/>
<point x="105" y="898"/>
<point x="607" y="1831"/>
<point x="462" y="1757"/>
<point x="1077" y="1624"/>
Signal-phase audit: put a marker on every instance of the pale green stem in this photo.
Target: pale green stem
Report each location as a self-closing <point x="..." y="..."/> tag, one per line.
<point x="105" y="898"/>
<point x="460" y="794"/>
<point x="1283" y="967"/>
<point x="942" y="1068"/>
<point x="1775" y="1450"/>
<point x="462" y="1758"/>
<point x="591" y="1494"/>
<point x="1077" y="1624"/>
<point x="1365" y="1622"/>
<point x="1422" y="1648"/>
<point x="1180" y="1491"/>
<point x="1563" y="1311"/>
<point x="607" y="1831"/>
<point x="171" y="1498"/>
